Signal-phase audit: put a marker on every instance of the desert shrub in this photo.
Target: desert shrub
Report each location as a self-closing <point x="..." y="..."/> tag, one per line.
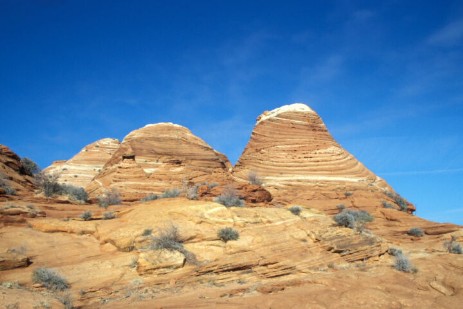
<point x="415" y="231"/>
<point x="191" y="192"/>
<point x="48" y="183"/>
<point x="28" y="167"/>
<point x="167" y="238"/>
<point x="66" y="300"/>
<point x="109" y="197"/>
<point x="400" y="201"/>
<point x="87" y="215"/>
<point x="229" y="198"/>
<point x="394" y="251"/>
<point x="402" y="263"/>
<point x="387" y="205"/>
<point x="341" y="207"/>
<point x="170" y="193"/>
<point x="109" y="215"/>
<point x="227" y="234"/>
<point x="347" y="194"/>
<point x="352" y="218"/>
<point x="147" y="232"/>
<point x="9" y="190"/>
<point x="453" y="246"/>
<point x="295" y="210"/>
<point x="254" y="179"/>
<point x="51" y="279"/>
<point x="77" y="193"/>
<point x="150" y="197"/>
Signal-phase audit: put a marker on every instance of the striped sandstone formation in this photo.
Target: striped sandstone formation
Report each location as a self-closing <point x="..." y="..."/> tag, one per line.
<point x="299" y="161"/>
<point x="159" y="157"/>
<point x="84" y="166"/>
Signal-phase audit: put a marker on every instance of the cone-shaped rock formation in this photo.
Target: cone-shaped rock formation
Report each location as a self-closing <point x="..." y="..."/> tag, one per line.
<point x="298" y="159"/>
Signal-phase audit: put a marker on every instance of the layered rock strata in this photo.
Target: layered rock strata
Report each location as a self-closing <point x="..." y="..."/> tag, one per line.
<point x="12" y="182"/>
<point x="298" y="160"/>
<point x="84" y="166"/>
<point x="159" y="157"/>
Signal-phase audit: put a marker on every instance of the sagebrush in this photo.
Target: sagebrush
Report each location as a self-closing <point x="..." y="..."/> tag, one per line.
<point x="50" y="278"/>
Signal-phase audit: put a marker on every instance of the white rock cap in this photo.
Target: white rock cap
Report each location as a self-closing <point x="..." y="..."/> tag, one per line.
<point x="295" y="107"/>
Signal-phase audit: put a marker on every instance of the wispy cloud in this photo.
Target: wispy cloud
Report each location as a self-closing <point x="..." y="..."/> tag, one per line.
<point x="424" y="172"/>
<point x="450" y="34"/>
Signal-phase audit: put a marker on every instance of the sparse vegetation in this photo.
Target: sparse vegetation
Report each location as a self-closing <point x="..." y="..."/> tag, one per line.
<point x="295" y="210"/>
<point x="76" y="193"/>
<point x="28" y="167"/>
<point x="191" y="192"/>
<point x="453" y="246"/>
<point x="400" y="201"/>
<point x="87" y="215"/>
<point x="348" y="193"/>
<point x="7" y="189"/>
<point x="109" y="197"/>
<point x="229" y="198"/>
<point x="387" y="204"/>
<point x="66" y="300"/>
<point x="48" y="183"/>
<point x="109" y="215"/>
<point x="402" y="263"/>
<point x="227" y="234"/>
<point x="150" y="197"/>
<point x="49" y="278"/>
<point x="352" y="218"/>
<point x="416" y="231"/>
<point x="254" y="179"/>
<point x="147" y="232"/>
<point x="168" y="238"/>
<point x="340" y="207"/>
<point x="169" y="193"/>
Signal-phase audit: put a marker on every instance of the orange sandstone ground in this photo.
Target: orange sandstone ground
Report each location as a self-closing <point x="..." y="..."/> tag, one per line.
<point x="280" y="260"/>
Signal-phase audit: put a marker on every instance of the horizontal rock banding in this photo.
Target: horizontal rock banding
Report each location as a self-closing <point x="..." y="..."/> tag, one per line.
<point x="84" y="166"/>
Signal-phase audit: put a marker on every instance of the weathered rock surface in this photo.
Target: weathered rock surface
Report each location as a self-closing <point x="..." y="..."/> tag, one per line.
<point x="291" y="150"/>
<point x="159" y="157"/>
<point x="11" y="180"/>
<point x="84" y="166"/>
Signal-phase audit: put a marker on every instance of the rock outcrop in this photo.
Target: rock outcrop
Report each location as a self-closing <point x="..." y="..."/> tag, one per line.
<point x="298" y="160"/>
<point x="84" y="166"/>
<point x="159" y="157"/>
<point x="12" y="182"/>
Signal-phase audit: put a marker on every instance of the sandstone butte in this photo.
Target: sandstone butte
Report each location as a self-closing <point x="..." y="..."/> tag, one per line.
<point x="280" y="260"/>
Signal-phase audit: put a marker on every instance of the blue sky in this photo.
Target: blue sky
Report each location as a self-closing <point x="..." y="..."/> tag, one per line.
<point x="385" y="76"/>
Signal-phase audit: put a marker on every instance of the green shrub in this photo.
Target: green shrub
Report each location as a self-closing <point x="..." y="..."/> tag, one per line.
<point x="87" y="215"/>
<point x="400" y="201"/>
<point x="77" y="193"/>
<point x="254" y="179"/>
<point x="227" y="234"/>
<point x="453" y="246"/>
<point x="295" y="210"/>
<point x="394" y="251"/>
<point x="109" y="215"/>
<point x="402" y="263"/>
<point x="147" y="232"/>
<point x="150" y="197"/>
<point x="109" y="197"/>
<point x="387" y="205"/>
<point x="48" y="183"/>
<point x="415" y="231"/>
<point x="51" y="279"/>
<point x="168" y="238"/>
<point x="229" y="198"/>
<point x="352" y="218"/>
<point x="169" y="193"/>
<point x="28" y="167"/>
